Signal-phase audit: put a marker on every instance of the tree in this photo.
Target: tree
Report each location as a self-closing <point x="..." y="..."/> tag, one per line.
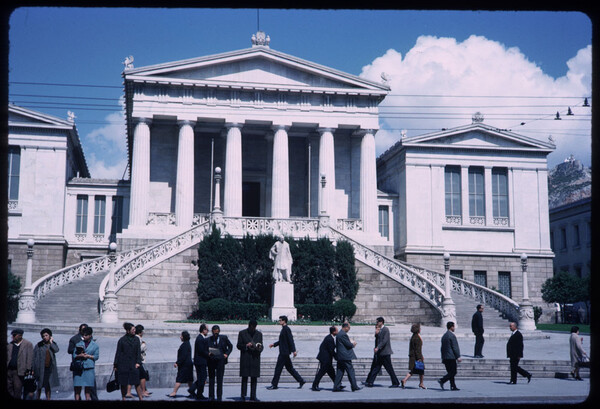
<point x="565" y="288"/>
<point x="345" y="271"/>
<point x="12" y="295"/>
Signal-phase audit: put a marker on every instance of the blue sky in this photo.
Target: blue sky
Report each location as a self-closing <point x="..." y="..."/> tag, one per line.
<point x="462" y="55"/>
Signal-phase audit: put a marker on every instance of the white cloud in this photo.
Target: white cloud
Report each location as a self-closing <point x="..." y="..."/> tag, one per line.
<point x="100" y="170"/>
<point x="444" y="69"/>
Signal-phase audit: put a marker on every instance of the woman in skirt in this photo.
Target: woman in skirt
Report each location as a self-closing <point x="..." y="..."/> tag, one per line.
<point x="87" y="351"/>
<point x="128" y="359"/>
<point x="415" y="354"/>
<point x="44" y="364"/>
<point x="184" y="364"/>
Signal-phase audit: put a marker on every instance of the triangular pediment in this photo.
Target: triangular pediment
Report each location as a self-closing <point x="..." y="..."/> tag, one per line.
<point x="477" y="136"/>
<point x="253" y="66"/>
<point x="24" y="116"/>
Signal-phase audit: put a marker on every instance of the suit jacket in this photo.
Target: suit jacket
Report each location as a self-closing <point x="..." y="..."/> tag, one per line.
<point x="327" y="350"/>
<point x="514" y="346"/>
<point x="223" y="344"/>
<point x="24" y="358"/>
<point x="250" y="357"/>
<point x="345" y="348"/>
<point x="450" y="349"/>
<point x="477" y="323"/>
<point x="286" y="341"/>
<point x="200" y="350"/>
<point x="384" y="346"/>
<point x="75" y="339"/>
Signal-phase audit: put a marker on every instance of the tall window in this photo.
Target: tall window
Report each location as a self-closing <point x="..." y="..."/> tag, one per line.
<point x="384" y="221"/>
<point x="576" y="239"/>
<point x="476" y="192"/>
<point x="117" y="215"/>
<point x="81" y="216"/>
<point x="480" y="277"/>
<point x="99" y="214"/>
<point x="14" y="168"/>
<point x="563" y="238"/>
<point x="500" y="192"/>
<point x="456" y="273"/>
<point x="504" y="283"/>
<point x="452" y="189"/>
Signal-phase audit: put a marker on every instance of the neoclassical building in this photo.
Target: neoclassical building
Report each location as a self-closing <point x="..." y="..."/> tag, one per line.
<point x="259" y="141"/>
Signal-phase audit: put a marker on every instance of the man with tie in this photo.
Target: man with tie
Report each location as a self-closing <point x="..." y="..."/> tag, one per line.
<point x="383" y="356"/>
<point x="450" y="355"/>
<point x="345" y="355"/>
<point x="286" y="347"/>
<point x="200" y="362"/>
<point x="219" y="348"/>
<point x="514" y="352"/>
<point x="326" y="356"/>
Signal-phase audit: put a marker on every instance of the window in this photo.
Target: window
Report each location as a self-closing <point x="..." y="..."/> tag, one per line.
<point x="14" y="169"/>
<point x="384" y="221"/>
<point x="476" y="192"/>
<point x="456" y="273"/>
<point x="481" y="278"/>
<point x="504" y="283"/>
<point x="81" y="216"/>
<point x="576" y="235"/>
<point x="552" y="240"/>
<point x="452" y="189"/>
<point x="117" y="215"/>
<point x="99" y="214"/>
<point x="563" y="238"/>
<point x="500" y="193"/>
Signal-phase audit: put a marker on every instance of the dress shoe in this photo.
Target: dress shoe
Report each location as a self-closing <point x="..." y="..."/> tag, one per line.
<point x="512" y="383"/>
<point x="529" y="378"/>
<point x="342" y="386"/>
<point x="368" y="385"/>
<point x="402" y="383"/>
<point x="243" y="399"/>
<point x="201" y="397"/>
<point x="272" y="387"/>
<point x="301" y="384"/>
<point x="315" y="388"/>
<point x="579" y="378"/>
<point x="441" y="383"/>
<point x="337" y="390"/>
<point x="254" y="399"/>
<point x="454" y="388"/>
<point x="356" y="389"/>
<point x="395" y="386"/>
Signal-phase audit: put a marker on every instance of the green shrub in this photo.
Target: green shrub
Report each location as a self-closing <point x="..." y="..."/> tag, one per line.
<point x="12" y="296"/>
<point x="219" y="309"/>
<point x="344" y="310"/>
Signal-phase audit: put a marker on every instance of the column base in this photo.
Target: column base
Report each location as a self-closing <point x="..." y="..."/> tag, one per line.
<point x="283" y="301"/>
<point x="26" y="313"/>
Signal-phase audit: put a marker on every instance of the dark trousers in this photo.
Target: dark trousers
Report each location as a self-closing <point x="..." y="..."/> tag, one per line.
<point x="201" y="376"/>
<point x="451" y="369"/>
<point x="345" y="366"/>
<point x="324" y="368"/>
<point x="515" y="368"/>
<point x="386" y="362"/>
<point x="284" y="361"/>
<point x="14" y="384"/>
<point x="479" y="344"/>
<point x="216" y="369"/>
<point x="253" y="384"/>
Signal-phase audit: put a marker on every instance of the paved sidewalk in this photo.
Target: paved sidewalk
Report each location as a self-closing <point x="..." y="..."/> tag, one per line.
<point x="471" y="391"/>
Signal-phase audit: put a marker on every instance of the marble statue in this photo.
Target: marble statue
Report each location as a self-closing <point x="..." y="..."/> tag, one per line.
<point x="280" y="252"/>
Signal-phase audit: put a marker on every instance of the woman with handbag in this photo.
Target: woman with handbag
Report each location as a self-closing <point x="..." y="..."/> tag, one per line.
<point x="416" y="365"/>
<point x="579" y="358"/>
<point x="44" y="364"/>
<point x="128" y="359"/>
<point x="87" y="353"/>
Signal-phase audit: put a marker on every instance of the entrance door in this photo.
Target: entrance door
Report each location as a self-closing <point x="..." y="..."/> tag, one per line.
<point x="251" y="199"/>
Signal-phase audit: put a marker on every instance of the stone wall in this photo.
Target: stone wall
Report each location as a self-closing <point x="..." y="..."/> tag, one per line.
<point x="379" y="295"/>
<point x="46" y="259"/>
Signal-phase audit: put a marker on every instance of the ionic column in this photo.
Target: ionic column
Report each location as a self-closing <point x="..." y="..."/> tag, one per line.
<point x="184" y="194"/>
<point x="232" y="196"/>
<point x="368" y="184"/>
<point x="140" y="174"/>
<point x="327" y="168"/>
<point x="280" y="179"/>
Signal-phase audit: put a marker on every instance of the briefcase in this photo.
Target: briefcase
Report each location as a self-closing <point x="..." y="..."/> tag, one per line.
<point x="215" y="353"/>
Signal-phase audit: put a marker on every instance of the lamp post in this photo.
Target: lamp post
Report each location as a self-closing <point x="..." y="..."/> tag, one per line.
<point x="526" y="316"/>
<point x="110" y="305"/>
<point x="27" y="299"/>
<point x="216" y="215"/>
<point x="448" y="306"/>
<point x="323" y="216"/>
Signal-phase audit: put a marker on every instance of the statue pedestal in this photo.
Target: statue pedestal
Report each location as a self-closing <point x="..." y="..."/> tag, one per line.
<point x="282" y="296"/>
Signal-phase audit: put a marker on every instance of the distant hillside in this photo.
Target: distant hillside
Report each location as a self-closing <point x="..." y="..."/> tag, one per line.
<point x="568" y="182"/>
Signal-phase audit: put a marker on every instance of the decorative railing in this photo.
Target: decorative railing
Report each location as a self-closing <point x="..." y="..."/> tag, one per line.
<point x="454" y="220"/>
<point x="480" y="220"/>
<point x="406" y="275"/>
<point x="127" y="270"/>
<point x="77" y="271"/>
<point x="200" y="218"/>
<point x="13" y="204"/>
<point x="349" y="225"/>
<point x="507" y="306"/>
<point x="296" y="227"/>
<point x="500" y="221"/>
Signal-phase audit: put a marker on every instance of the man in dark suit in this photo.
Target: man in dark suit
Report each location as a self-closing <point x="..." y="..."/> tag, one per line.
<point x="383" y="356"/>
<point x="514" y="351"/>
<point x="477" y="328"/>
<point x="326" y="356"/>
<point x="250" y="344"/>
<point x="286" y="347"/>
<point x="219" y="348"/>
<point x="200" y="362"/>
<point x="450" y="356"/>
<point x="72" y="342"/>
<point x="345" y="355"/>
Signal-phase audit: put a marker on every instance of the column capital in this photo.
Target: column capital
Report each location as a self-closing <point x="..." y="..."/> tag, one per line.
<point x="143" y="120"/>
<point x="229" y="125"/>
<point x="184" y="122"/>
<point x="324" y="129"/>
<point x="280" y="127"/>
<point x="362" y="132"/>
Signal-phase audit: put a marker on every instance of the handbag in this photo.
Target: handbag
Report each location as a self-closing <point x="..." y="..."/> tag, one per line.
<point x="29" y="382"/>
<point x="420" y="365"/>
<point x="113" y="385"/>
<point x="76" y="366"/>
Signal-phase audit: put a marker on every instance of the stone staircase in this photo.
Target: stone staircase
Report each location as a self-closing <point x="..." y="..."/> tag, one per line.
<point x="465" y="308"/>
<point x="75" y="302"/>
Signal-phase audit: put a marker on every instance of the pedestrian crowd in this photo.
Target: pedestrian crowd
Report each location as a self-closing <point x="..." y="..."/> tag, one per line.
<point x="33" y="368"/>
